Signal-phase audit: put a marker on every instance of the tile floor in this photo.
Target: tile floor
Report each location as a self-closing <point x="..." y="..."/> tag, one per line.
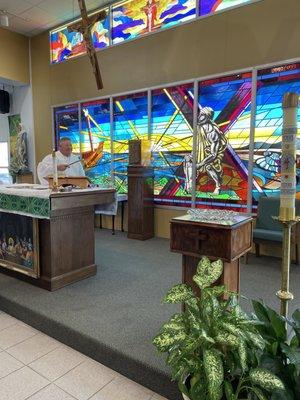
<point x="34" y="366"/>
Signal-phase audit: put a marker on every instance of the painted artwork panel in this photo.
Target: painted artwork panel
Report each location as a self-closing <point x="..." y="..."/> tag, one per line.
<point x="96" y="141"/>
<point x="223" y="137"/>
<point x="130" y="115"/>
<point x="211" y="6"/>
<point x="66" y="124"/>
<point x="14" y="123"/>
<point x="19" y="244"/>
<point x="272" y="84"/>
<point x="65" y="44"/>
<point x="172" y="142"/>
<point x="134" y="18"/>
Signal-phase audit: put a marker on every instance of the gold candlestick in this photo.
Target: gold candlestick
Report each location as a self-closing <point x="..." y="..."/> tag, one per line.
<point x="288" y="193"/>
<point x="55" y="173"/>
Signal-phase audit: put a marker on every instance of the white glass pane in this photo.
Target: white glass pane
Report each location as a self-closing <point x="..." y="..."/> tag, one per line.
<point x="4" y="176"/>
<point x="3" y="154"/>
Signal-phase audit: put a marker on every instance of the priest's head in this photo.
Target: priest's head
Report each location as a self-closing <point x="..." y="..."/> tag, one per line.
<point x="65" y="146"/>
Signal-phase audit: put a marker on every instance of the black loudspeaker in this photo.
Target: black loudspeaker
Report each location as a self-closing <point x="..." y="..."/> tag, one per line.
<point x="4" y="102"/>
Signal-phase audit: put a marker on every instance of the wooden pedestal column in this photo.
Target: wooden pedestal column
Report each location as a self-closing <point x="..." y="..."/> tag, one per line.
<point x="140" y="202"/>
<point x="216" y="241"/>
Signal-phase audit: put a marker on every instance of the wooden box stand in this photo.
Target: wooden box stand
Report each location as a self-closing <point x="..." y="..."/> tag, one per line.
<point x="140" y="202"/>
<point x="195" y="239"/>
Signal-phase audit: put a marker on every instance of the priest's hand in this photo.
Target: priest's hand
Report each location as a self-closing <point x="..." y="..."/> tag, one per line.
<point x="62" y="167"/>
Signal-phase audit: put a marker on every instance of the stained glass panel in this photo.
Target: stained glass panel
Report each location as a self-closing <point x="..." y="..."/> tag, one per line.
<point x="172" y="141"/>
<point x="130" y="122"/>
<point x="65" y="44"/>
<point x="96" y="140"/>
<point x="66" y="122"/>
<point x="211" y="6"/>
<point x="272" y="84"/>
<point x="223" y="136"/>
<point x="136" y="17"/>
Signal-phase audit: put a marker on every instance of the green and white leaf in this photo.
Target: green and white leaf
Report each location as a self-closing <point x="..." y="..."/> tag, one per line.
<point x="213" y="367"/>
<point x="176" y="323"/>
<point x="207" y="272"/>
<point x="165" y="340"/>
<point x="242" y="350"/>
<point x="178" y="294"/>
<point x="256" y="339"/>
<point x="265" y="379"/>
<point x="227" y="339"/>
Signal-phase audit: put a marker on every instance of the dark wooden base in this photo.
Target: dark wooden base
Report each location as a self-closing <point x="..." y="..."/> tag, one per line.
<point x="55" y="283"/>
<point x="140" y="202"/>
<point x="138" y="236"/>
<point x="230" y="277"/>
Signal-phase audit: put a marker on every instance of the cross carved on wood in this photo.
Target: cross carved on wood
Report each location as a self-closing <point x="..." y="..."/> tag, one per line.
<point x="84" y="27"/>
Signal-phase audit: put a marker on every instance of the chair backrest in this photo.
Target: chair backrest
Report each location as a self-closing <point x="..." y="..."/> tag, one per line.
<point x="268" y="207"/>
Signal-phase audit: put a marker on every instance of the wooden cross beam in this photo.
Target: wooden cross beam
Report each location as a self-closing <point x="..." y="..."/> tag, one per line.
<point x="84" y="27"/>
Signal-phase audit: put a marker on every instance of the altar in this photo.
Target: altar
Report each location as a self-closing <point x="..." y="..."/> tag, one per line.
<point x="47" y="238"/>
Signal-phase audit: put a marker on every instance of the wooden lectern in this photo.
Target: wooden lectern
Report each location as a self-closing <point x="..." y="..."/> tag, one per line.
<point x="79" y="181"/>
<point x="227" y="242"/>
<point x="140" y="191"/>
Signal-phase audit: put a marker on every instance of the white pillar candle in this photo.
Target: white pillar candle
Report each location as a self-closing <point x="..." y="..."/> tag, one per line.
<point x="55" y="173"/>
<point x="288" y="158"/>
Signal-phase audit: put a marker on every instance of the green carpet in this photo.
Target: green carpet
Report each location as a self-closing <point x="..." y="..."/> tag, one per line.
<point x="112" y="317"/>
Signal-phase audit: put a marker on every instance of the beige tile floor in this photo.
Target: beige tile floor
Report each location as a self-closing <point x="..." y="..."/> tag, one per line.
<point x="33" y="366"/>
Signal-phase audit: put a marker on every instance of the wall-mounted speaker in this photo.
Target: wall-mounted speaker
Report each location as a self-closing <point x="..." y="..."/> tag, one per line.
<point x="4" y="102"/>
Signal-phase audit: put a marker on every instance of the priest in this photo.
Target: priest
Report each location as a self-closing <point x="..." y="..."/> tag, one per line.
<point x="68" y="164"/>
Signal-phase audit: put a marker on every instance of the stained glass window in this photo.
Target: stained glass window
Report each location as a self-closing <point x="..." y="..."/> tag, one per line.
<point x="66" y="122"/>
<point x="65" y="44"/>
<point x="272" y="84"/>
<point x="223" y="136"/>
<point x="211" y="6"/>
<point x="130" y="122"/>
<point x="96" y="140"/>
<point x="136" y="17"/>
<point x="172" y="141"/>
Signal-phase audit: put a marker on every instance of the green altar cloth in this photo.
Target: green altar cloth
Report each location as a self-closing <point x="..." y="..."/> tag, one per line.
<point x="28" y="200"/>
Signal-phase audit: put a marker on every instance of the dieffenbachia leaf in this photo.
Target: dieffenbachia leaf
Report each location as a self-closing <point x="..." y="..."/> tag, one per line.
<point x="207" y="272"/>
<point x="164" y="340"/>
<point x="259" y="394"/>
<point x="176" y="323"/>
<point x="228" y="389"/>
<point x="242" y="350"/>
<point x="227" y="339"/>
<point x="179" y="294"/>
<point x="256" y="339"/>
<point x="213" y="367"/>
<point x="265" y="379"/>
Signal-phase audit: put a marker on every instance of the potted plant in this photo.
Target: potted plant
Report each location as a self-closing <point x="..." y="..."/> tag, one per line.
<point x="281" y="354"/>
<point x="213" y="348"/>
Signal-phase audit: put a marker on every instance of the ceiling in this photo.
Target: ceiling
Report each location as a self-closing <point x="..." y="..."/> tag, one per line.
<point x="31" y="17"/>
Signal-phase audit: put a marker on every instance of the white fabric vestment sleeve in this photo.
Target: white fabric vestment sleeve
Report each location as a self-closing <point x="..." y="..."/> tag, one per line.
<point x="81" y="171"/>
<point x="44" y="169"/>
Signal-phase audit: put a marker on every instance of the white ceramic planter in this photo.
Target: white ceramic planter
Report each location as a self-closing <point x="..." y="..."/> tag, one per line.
<point x="185" y="397"/>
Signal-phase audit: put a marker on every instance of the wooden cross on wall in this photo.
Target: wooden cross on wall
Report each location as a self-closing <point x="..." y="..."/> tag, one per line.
<point x="84" y="27"/>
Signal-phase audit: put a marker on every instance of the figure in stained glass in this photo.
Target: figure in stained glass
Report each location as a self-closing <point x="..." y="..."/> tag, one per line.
<point x="211" y="147"/>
